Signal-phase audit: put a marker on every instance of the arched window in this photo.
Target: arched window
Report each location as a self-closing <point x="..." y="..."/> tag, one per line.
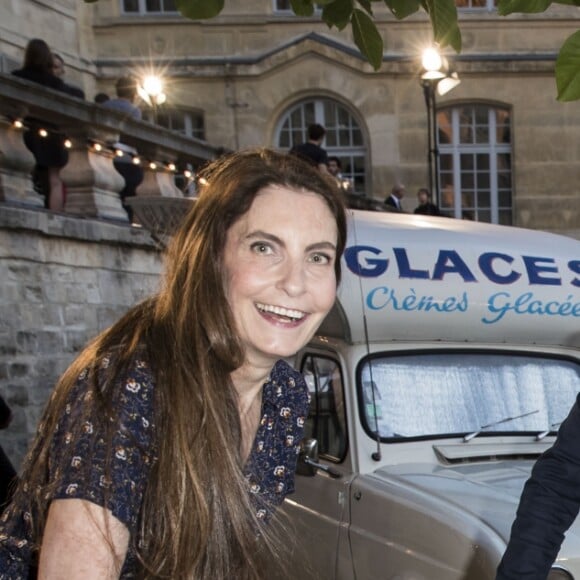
<point x="344" y="137"/>
<point x="475" y="167"/>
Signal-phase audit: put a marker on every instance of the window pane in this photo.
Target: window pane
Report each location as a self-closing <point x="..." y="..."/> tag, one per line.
<point x="456" y="393"/>
<point x="283" y="5"/>
<point x="505" y="217"/>
<point x="130" y="5"/>
<point x="484" y="199"/>
<point x="504" y="180"/>
<point x="484" y="215"/>
<point x="169" y="6"/>
<point x="483" y="181"/>
<point x="444" y="133"/>
<point x="153" y="5"/>
<point x="504" y="199"/>
<point x="467" y="181"/>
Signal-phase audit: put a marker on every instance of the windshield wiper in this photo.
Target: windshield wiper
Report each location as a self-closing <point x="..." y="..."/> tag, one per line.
<point x="543" y="434"/>
<point x="470" y="436"/>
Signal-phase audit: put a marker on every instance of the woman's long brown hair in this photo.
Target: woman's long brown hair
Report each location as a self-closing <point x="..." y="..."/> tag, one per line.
<point x="196" y="521"/>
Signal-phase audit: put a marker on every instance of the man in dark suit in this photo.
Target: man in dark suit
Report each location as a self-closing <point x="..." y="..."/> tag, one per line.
<point x="393" y="201"/>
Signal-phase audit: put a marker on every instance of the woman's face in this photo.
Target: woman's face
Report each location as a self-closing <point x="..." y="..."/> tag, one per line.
<point x="281" y="283"/>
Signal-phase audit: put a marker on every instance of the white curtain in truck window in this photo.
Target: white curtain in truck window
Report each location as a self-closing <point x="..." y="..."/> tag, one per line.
<point x="459" y="393"/>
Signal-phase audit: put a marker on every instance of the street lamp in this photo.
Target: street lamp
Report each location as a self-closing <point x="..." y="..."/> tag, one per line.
<point x="436" y="77"/>
<point x="150" y="89"/>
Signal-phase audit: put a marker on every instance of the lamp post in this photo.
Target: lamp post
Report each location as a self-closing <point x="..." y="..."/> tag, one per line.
<point x="150" y="89"/>
<point x="435" y="78"/>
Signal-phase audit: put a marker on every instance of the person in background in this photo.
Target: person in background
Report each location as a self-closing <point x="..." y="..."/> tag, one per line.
<point x="7" y="471"/>
<point x="426" y="206"/>
<point x="49" y="152"/>
<point x="126" y="89"/>
<point x="393" y="201"/>
<point x="168" y="444"/>
<point x="549" y="503"/>
<point x="335" y="169"/>
<point x="312" y="151"/>
<point x="58" y="70"/>
<point x="101" y="98"/>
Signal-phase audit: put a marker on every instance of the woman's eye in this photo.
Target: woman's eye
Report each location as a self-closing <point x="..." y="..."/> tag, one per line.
<point x="261" y="248"/>
<point x="320" y="258"/>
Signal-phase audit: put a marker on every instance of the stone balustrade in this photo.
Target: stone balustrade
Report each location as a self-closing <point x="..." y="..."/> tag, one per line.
<point x="92" y="183"/>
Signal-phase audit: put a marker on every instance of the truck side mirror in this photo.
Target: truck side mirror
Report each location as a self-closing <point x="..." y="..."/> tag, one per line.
<point x="308" y="463"/>
<point x="307" y="456"/>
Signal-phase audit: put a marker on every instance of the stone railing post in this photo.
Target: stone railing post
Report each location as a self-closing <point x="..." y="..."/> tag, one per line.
<point x="158" y="179"/>
<point x="92" y="182"/>
<point x="16" y="165"/>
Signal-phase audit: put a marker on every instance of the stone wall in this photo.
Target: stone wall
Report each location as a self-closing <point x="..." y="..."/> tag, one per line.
<point x="62" y="280"/>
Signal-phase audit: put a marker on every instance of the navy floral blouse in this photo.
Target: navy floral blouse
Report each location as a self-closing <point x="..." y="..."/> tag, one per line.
<point x="269" y="470"/>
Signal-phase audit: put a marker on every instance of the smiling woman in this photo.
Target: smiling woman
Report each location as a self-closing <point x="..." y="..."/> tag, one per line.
<point x="176" y="430"/>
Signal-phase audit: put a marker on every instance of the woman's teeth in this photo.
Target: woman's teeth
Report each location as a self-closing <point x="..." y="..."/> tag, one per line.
<point x="279" y="311"/>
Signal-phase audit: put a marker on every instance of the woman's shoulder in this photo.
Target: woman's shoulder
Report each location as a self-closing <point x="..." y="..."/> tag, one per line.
<point x="40" y="77"/>
<point x="287" y="387"/>
<point x="284" y="372"/>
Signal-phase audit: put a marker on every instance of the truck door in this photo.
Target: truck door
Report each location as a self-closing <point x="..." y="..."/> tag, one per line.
<point x="319" y="507"/>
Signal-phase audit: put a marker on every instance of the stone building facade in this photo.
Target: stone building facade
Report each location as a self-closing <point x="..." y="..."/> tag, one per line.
<point x="64" y="279"/>
<point x="257" y="75"/>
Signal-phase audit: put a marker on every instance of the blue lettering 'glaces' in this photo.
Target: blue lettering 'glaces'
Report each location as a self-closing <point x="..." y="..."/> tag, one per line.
<point x="373" y="266"/>
<point x="447" y="265"/>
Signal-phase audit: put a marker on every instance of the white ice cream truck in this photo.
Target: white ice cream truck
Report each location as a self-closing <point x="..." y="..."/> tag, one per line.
<point x="443" y="372"/>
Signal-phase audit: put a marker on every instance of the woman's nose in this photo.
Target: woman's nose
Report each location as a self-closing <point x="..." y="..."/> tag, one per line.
<point x="293" y="278"/>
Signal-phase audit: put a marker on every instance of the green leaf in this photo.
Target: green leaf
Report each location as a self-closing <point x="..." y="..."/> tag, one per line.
<point x="443" y="14"/>
<point x="367" y="38"/>
<point x="323" y="2"/>
<point x="402" y="8"/>
<point x="568" y="2"/>
<point x="302" y="7"/>
<point x="505" y="7"/>
<point x="568" y="69"/>
<point x="338" y="13"/>
<point x="366" y="4"/>
<point x="199" y="9"/>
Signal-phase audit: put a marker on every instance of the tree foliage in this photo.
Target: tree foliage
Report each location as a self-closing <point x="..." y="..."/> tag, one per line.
<point x="442" y="14"/>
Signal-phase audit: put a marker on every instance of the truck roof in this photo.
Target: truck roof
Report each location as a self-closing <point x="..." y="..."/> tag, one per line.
<point x="433" y="278"/>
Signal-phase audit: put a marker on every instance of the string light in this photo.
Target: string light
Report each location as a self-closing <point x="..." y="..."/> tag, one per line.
<point x="106" y="148"/>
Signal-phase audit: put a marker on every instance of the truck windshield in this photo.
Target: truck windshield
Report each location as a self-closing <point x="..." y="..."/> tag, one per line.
<point x="451" y="394"/>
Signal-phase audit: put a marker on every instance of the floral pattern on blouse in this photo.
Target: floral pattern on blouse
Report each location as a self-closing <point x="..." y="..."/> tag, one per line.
<point x="269" y="470"/>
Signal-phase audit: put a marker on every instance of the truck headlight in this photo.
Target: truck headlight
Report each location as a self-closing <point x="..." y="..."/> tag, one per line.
<point x="557" y="573"/>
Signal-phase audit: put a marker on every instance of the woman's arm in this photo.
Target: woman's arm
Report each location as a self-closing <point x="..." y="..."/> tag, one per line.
<point x="82" y="541"/>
